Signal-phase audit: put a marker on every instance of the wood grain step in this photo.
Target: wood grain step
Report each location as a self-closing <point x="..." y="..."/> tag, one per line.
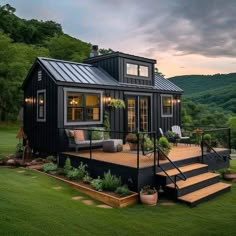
<point x="204" y="193"/>
<point x="193" y="180"/>
<point x="184" y="169"/>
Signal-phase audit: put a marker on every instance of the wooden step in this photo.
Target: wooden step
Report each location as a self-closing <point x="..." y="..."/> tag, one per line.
<point x="206" y="193"/>
<point x="184" y="169"/>
<point x="193" y="180"/>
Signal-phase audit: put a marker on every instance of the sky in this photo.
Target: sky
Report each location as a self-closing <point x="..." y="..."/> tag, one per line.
<point x="184" y="36"/>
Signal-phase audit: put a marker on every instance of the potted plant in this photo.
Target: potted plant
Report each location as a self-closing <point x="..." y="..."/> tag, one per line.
<point x="207" y="140"/>
<point x="132" y="140"/>
<point x="117" y="103"/>
<point x="172" y="137"/>
<point x="228" y="174"/>
<point x="165" y="147"/>
<point x="148" y="196"/>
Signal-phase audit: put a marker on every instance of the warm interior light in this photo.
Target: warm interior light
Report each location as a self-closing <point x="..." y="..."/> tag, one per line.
<point x="73" y="102"/>
<point x="41" y="101"/>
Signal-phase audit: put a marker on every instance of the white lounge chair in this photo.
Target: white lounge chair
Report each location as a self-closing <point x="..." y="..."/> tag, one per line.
<point x="176" y="129"/>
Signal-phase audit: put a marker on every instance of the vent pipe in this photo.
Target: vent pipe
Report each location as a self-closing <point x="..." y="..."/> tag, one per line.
<point x="94" y="51"/>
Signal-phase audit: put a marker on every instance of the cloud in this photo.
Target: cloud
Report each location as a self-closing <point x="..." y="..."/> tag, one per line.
<point x="192" y="27"/>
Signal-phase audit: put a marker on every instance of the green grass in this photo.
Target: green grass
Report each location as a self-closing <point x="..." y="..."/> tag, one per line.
<point x="30" y="206"/>
<point x="8" y="132"/>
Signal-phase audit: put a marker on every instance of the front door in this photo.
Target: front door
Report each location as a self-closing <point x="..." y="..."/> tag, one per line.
<point x="138" y="113"/>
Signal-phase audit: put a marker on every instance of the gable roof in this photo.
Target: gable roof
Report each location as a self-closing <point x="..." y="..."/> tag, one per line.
<point x="164" y="84"/>
<point x="66" y="71"/>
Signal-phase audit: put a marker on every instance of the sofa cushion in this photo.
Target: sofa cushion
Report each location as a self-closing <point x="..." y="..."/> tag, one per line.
<point x="79" y="135"/>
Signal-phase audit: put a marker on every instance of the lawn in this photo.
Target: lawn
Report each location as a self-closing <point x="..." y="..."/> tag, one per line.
<point x="31" y="205"/>
<point x="8" y="140"/>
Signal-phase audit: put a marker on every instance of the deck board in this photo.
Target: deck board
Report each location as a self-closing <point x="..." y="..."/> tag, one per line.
<point x="127" y="158"/>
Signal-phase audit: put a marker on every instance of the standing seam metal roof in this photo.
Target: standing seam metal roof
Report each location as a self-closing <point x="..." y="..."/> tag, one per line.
<point x="73" y="72"/>
<point x="64" y="71"/>
<point x="164" y="84"/>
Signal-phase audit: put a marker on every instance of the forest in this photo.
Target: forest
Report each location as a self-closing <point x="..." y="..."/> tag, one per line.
<point x="208" y="100"/>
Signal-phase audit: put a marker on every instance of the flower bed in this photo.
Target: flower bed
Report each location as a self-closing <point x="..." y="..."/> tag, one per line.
<point x="110" y="198"/>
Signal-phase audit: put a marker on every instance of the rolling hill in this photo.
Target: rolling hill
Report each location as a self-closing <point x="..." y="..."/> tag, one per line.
<point x="214" y="90"/>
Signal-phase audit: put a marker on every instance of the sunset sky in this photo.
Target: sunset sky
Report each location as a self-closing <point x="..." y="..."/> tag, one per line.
<point x="184" y="36"/>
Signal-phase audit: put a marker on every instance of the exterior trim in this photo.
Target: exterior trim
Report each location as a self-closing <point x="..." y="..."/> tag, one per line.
<point x="166" y="95"/>
<point x="44" y="106"/>
<point x="66" y="90"/>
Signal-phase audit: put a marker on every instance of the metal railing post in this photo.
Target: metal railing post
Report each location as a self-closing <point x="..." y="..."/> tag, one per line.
<point x="155" y="152"/>
<point x="202" y="146"/>
<point x="90" y="146"/>
<point x="138" y="150"/>
<point x="229" y="144"/>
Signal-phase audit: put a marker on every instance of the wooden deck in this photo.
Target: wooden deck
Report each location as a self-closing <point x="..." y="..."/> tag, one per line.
<point x="127" y="158"/>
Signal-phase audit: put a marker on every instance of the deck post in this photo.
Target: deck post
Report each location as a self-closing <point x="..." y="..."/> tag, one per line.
<point x="202" y="146"/>
<point x="229" y="142"/>
<point x="90" y="144"/>
<point x="138" y="150"/>
<point x="155" y="153"/>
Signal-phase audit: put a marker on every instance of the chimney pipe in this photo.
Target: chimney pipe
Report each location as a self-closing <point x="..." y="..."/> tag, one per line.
<point x="94" y="51"/>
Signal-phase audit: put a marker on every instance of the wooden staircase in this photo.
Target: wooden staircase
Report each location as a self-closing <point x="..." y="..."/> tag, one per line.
<point x="199" y="186"/>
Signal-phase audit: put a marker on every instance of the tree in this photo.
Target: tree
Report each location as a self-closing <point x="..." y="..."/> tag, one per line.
<point x="232" y="125"/>
<point x="157" y="72"/>
<point x="67" y="48"/>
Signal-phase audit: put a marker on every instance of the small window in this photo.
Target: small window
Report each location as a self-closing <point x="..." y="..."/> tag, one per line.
<point x="132" y="69"/>
<point x="167" y="105"/>
<point x="41" y="105"/>
<point x="39" y="75"/>
<point x="83" y="107"/>
<point x="143" y="71"/>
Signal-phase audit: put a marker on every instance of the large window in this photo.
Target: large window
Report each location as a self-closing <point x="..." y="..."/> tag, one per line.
<point x="137" y="70"/>
<point x="83" y="107"/>
<point x="41" y="105"/>
<point x="167" y="105"/>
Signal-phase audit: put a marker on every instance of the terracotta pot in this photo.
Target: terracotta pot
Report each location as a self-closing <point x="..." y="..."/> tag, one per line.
<point x="134" y="146"/>
<point x="149" y="199"/>
<point x="229" y="176"/>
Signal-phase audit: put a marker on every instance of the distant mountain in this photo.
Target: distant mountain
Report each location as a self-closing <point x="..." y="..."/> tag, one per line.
<point x="214" y="90"/>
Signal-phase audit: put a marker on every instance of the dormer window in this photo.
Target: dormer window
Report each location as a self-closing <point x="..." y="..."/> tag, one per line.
<point x="132" y="69"/>
<point x="137" y="70"/>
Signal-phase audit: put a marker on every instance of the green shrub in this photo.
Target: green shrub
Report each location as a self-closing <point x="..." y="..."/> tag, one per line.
<point x="82" y="170"/>
<point x="3" y="158"/>
<point x="51" y="158"/>
<point x="148" y="143"/>
<point x="97" y="133"/>
<point x="87" y="179"/>
<point x="67" y="166"/>
<point x="110" y="182"/>
<point x="49" y="167"/>
<point x="123" y="191"/>
<point x="73" y="174"/>
<point x="97" y="184"/>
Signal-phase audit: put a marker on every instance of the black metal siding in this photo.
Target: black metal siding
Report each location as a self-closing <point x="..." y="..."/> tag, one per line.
<point x="42" y="135"/>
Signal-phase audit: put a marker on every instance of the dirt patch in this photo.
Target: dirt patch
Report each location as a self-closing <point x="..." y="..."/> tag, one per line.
<point x="104" y="206"/>
<point x="57" y="187"/>
<point x="167" y="203"/>
<point x="88" y="202"/>
<point x="77" y="198"/>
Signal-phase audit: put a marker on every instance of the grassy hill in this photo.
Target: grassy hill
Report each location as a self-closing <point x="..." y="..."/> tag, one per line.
<point x="215" y="90"/>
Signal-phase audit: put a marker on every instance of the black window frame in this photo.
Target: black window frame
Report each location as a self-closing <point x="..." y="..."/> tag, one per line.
<point x="163" y="113"/>
<point x="41" y="106"/>
<point x="83" y="106"/>
<point x="139" y="65"/>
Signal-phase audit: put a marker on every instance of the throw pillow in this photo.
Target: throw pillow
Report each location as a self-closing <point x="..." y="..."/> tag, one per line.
<point x="79" y="135"/>
<point x="71" y="133"/>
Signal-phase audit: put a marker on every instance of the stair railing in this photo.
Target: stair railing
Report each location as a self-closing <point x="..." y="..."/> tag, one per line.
<point x="180" y="175"/>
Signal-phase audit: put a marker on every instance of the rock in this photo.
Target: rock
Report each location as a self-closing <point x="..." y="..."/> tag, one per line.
<point x="11" y="162"/>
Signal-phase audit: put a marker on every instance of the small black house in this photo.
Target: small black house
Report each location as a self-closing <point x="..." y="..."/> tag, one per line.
<point x="63" y="94"/>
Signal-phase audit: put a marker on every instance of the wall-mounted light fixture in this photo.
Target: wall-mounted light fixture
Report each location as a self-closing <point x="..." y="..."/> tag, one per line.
<point x="107" y="100"/>
<point x="29" y="100"/>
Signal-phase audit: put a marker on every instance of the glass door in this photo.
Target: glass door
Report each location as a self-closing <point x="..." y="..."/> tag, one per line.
<point x="137" y="113"/>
